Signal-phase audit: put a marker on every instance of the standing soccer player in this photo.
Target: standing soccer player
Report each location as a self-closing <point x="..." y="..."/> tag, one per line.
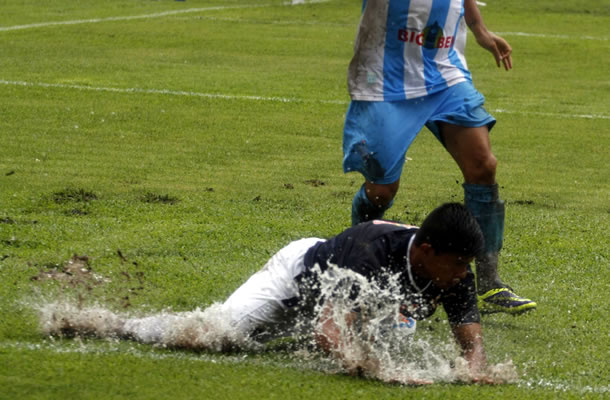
<point x="409" y="70"/>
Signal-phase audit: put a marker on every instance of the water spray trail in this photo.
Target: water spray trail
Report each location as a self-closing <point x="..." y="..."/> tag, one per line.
<point x="373" y="343"/>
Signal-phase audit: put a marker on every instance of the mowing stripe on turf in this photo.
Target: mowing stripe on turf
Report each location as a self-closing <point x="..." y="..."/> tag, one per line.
<point x="140" y="351"/>
<point x="216" y="8"/>
<point x="259" y="98"/>
<point x="352" y="25"/>
<point x="141" y="16"/>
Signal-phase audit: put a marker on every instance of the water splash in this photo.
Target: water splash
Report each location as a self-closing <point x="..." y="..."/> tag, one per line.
<point x="375" y="345"/>
<point x="207" y="329"/>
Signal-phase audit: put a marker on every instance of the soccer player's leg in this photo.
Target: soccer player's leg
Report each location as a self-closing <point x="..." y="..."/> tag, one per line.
<point x="375" y="139"/>
<point x="465" y="134"/>
<point x="494" y="295"/>
<point x="469" y="146"/>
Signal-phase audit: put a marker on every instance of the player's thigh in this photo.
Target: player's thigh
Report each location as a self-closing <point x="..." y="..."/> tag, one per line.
<point x="465" y="143"/>
<point x="471" y="150"/>
<point x="462" y="125"/>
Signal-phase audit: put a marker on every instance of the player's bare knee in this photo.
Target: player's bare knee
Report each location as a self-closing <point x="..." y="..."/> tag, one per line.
<point x="482" y="171"/>
<point x="381" y="195"/>
<point x="489" y="168"/>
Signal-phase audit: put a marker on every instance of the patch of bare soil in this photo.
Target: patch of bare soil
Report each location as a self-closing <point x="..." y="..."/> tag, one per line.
<point x="75" y="272"/>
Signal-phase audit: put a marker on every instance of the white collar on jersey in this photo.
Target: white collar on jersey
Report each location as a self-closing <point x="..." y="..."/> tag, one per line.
<point x="409" y="267"/>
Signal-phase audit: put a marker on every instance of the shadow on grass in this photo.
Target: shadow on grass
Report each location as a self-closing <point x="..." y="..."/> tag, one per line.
<point x="154" y="198"/>
<point x="73" y="195"/>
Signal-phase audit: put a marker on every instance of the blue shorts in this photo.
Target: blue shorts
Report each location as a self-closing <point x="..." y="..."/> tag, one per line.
<point x="377" y="134"/>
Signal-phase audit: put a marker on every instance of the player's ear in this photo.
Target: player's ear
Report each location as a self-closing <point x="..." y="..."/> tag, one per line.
<point x="426" y="248"/>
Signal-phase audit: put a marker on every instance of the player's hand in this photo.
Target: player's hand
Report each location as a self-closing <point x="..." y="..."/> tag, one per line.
<point x="486" y="376"/>
<point x="368" y="367"/>
<point x="418" y="382"/>
<point x="499" y="47"/>
<point x="484" y="379"/>
<point x="408" y="381"/>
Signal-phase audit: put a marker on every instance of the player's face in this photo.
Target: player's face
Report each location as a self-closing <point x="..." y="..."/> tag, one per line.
<point x="446" y="270"/>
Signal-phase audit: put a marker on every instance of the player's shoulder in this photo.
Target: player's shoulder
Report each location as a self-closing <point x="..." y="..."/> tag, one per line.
<point x="393" y="224"/>
<point x="380" y="229"/>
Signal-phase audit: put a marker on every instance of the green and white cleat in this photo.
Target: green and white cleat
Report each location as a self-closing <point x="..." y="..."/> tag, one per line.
<point x="504" y="300"/>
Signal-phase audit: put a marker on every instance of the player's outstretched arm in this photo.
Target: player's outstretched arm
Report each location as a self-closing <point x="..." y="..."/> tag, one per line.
<point x="496" y="45"/>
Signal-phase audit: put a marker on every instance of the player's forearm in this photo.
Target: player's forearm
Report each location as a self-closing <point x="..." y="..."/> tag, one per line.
<point x="477" y="360"/>
<point x="474" y="20"/>
<point x="470" y="340"/>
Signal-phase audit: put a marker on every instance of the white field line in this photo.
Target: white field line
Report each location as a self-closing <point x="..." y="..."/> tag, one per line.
<point x="552" y="36"/>
<point x="552" y="115"/>
<point x="258" y="98"/>
<point x="170" y="92"/>
<point x="81" y="347"/>
<point x="141" y="16"/>
<point x="351" y="25"/>
<point x="269" y="22"/>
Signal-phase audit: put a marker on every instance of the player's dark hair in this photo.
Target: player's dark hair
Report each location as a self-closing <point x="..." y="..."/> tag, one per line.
<point x="451" y="228"/>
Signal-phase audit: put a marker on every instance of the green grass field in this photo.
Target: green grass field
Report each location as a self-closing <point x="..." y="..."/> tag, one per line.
<point x="179" y="144"/>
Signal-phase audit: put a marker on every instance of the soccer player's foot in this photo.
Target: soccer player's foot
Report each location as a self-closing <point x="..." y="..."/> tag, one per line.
<point x="504" y="300"/>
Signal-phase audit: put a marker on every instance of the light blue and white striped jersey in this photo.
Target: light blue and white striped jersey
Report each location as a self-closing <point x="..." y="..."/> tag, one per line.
<point x="408" y="48"/>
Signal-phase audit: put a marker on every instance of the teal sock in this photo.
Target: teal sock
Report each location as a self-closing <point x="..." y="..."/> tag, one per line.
<point x="484" y="203"/>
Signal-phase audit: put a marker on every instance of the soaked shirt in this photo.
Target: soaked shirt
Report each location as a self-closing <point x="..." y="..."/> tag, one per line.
<point x="407" y="49"/>
<point x="377" y="250"/>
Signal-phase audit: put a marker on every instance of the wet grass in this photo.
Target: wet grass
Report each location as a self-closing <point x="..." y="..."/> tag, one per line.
<point x="175" y="200"/>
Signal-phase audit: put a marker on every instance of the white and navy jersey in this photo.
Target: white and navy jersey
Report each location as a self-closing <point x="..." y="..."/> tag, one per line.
<point x="407" y="49"/>
<point x="378" y="249"/>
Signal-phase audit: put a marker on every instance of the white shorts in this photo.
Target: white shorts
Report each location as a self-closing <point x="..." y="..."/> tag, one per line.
<point x="258" y="303"/>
